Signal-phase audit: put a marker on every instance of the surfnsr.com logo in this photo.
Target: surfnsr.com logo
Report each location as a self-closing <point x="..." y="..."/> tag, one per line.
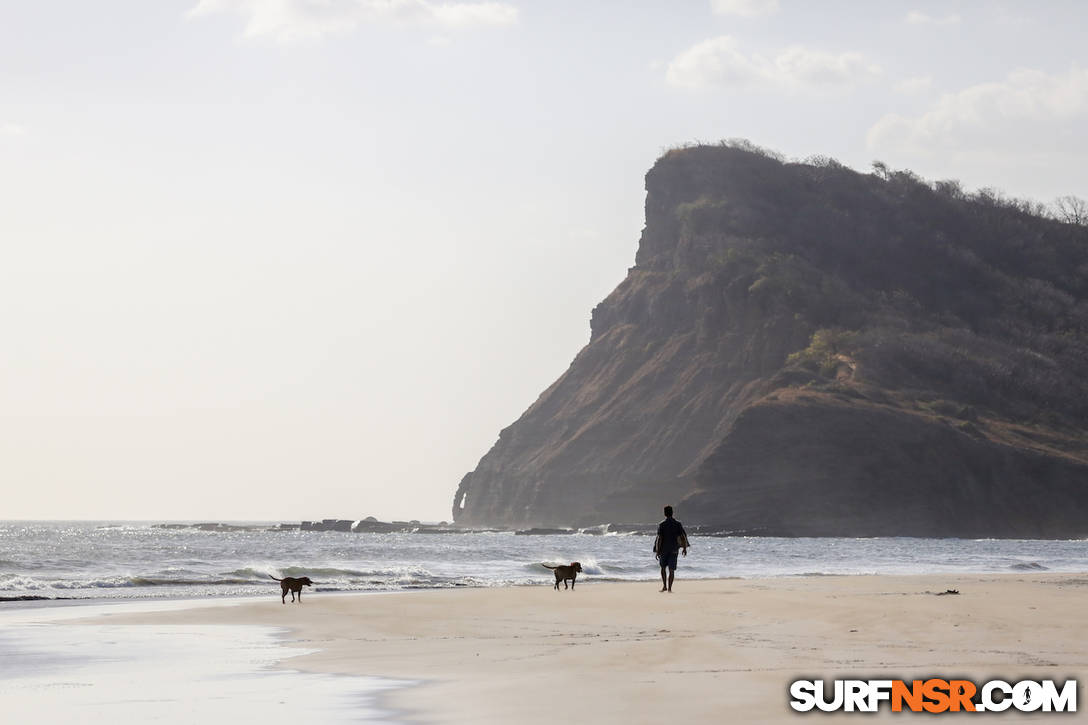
<point x="933" y="695"/>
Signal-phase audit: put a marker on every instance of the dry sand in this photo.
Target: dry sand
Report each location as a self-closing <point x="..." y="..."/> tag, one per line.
<point x="712" y="651"/>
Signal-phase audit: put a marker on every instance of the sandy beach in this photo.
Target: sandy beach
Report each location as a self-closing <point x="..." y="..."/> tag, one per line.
<point x="623" y="652"/>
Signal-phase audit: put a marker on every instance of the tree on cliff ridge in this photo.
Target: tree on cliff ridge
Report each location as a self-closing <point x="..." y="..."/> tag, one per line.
<point x="1071" y="209"/>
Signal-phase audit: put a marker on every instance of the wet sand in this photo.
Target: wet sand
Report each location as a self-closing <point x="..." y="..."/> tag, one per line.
<point x="709" y="652"/>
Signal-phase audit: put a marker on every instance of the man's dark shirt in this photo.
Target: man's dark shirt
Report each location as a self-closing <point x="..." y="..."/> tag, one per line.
<point x="669" y="530"/>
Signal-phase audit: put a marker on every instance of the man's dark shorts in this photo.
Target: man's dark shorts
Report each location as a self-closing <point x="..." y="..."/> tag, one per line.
<point x="669" y="560"/>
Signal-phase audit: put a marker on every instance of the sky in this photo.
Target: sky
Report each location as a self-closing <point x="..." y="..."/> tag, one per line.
<point x="295" y="259"/>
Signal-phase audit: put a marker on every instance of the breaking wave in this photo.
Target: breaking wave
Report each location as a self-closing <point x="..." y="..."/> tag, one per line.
<point x="47" y="560"/>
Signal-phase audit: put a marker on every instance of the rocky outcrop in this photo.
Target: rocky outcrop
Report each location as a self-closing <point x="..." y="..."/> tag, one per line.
<point x="807" y="465"/>
<point x="801" y="349"/>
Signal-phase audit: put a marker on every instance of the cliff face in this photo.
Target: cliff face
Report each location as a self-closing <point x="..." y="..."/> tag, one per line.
<point x="804" y="350"/>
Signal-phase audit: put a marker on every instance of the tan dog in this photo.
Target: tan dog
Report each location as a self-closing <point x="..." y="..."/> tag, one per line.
<point x="564" y="572"/>
<point x="294" y="585"/>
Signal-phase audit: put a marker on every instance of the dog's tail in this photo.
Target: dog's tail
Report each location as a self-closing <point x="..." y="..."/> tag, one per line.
<point x="272" y="577"/>
<point x="549" y="567"/>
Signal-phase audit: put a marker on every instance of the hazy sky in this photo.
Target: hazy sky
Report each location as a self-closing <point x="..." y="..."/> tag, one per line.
<point x="285" y="259"/>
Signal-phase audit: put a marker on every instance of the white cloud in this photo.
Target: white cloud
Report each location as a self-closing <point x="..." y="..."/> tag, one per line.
<point x="12" y="129"/>
<point x="1028" y="111"/>
<point x="744" y="8"/>
<point x="816" y="67"/>
<point x="467" y="14"/>
<point x="291" y="21"/>
<point x="714" y="62"/>
<point x="917" y="18"/>
<point x="719" y="62"/>
<point x="914" y="86"/>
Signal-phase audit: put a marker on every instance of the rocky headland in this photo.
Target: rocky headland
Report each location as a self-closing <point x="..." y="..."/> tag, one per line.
<point x="802" y="349"/>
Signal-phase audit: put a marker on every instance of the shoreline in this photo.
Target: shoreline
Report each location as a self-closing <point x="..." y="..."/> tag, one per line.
<point x="14" y="604"/>
<point x="179" y="564"/>
<point x="103" y="672"/>
<point x="622" y="652"/>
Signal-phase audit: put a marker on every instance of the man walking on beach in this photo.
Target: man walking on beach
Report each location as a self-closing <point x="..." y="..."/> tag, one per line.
<point x="670" y="538"/>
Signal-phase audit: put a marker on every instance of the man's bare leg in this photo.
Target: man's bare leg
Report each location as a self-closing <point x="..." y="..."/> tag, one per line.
<point x="672" y="573"/>
<point x="664" y="580"/>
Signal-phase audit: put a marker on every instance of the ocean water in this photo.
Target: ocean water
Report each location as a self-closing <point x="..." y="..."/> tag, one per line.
<point x="138" y="560"/>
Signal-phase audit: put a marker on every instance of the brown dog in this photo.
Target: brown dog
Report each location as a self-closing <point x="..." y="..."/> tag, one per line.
<point x="294" y="585"/>
<point x="564" y="572"/>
